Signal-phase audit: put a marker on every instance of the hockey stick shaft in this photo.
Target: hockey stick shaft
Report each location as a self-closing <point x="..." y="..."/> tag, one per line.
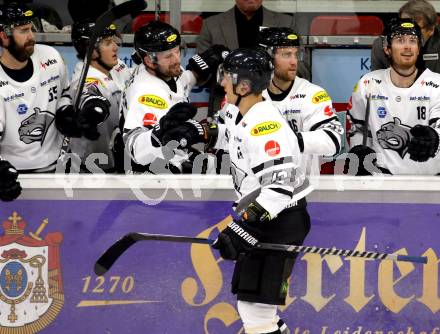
<point x="102" y="22"/>
<point x="106" y="261"/>
<point x="366" y="120"/>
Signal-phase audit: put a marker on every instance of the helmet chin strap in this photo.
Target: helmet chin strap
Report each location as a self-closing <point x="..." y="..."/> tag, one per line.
<point x="100" y="62"/>
<point x="404" y="75"/>
<point x="104" y="65"/>
<point x="240" y="97"/>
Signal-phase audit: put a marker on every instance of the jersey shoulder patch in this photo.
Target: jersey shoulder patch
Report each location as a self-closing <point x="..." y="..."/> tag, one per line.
<point x="153" y="101"/>
<point x="320" y="96"/>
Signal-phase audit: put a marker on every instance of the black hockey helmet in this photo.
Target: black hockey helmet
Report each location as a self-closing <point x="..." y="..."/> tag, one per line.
<point x="81" y="33"/>
<point x="273" y="37"/>
<point x="13" y="15"/>
<point x="248" y="64"/>
<point x="279" y="37"/>
<point x="156" y="36"/>
<point x="401" y="26"/>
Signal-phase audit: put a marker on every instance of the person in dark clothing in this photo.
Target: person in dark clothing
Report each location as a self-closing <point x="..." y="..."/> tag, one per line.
<point x="426" y="17"/>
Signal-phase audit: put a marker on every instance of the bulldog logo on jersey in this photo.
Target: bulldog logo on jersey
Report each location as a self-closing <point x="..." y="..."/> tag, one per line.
<point x="31" y="291"/>
<point x="35" y="127"/>
<point x="394" y="136"/>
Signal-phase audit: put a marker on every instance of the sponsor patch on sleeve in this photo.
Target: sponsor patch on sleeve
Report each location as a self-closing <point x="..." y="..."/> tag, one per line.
<point x="265" y="128"/>
<point x="93" y="81"/>
<point x="153" y="101"/>
<point x="328" y="111"/>
<point x="321" y="96"/>
<point x="272" y="148"/>
<point x="355" y="87"/>
<point x="150" y="119"/>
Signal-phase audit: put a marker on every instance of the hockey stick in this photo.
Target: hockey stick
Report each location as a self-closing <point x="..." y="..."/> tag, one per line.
<point x="366" y="120"/>
<point x="106" y="261"/>
<point x="101" y="23"/>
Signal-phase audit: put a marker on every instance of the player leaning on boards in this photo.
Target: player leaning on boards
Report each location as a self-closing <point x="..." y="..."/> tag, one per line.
<point x="152" y="99"/>
<point x="265" y="165"/>
<point x="104" y="82"/>
<point x="404" y="119"/>
<point x="33" y="88"/>
<point x="306" y="107"/>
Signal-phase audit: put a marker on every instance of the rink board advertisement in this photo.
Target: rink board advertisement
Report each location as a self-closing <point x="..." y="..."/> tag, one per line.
<point x="48" y="249"/>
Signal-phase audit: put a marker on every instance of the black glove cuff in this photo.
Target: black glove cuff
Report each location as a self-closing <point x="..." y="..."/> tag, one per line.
<point x="199" y="66"/>
<point x="255" y="214"/>
<point x="212" y="134"/>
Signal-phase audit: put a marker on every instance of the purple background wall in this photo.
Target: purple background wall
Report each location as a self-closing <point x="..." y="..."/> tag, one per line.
<point x="179" y="288"/>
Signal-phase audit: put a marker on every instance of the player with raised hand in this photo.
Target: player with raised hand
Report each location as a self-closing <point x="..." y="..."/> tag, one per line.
<point x="157" y="96"/>
<point x="306" y="107"/>
<point x="33" y="89"/>
<point x="404" y="102"/>
<point x="265" y="166"/>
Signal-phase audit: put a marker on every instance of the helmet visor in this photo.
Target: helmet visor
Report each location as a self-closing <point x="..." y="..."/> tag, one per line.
<point x="35" y="26"/>
<point x="296" y="52"/>
<point x="221" y="73"/>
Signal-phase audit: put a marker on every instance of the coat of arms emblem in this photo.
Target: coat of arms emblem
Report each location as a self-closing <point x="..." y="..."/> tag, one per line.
<point x="31" y="290"/>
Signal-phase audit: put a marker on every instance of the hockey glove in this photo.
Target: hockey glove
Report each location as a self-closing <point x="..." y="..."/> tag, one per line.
<point x="10" y="188"/>
<point x="178" y="114"/>
<point x="424" y="143"/>
<point x="192" y="132"/>
<point x="93" y="110"/>
<point x="238" y="237"/>
<point x="206" y="63"/>
<point x="361" y="152"/>
<point x="66" y="123"/>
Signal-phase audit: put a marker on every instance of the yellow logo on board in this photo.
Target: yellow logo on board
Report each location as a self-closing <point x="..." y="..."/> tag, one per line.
<point x="265" y="128"/>
<point x="153" y="101"/>
<point x="321" y="96"/>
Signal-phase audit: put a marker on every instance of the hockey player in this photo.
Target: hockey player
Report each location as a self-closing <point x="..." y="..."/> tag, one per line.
<point x="157" y="91"/>
<point x="307" y="107"/>
<point x="105" y="79"/>
<point x="33" y="88"/>
<point x="404" y="110"/>
<point x="265" y="160"/>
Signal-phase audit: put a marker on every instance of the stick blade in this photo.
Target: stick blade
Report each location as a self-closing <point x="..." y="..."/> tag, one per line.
<point x="129" y="7"/>
<point x="106" y="261"/>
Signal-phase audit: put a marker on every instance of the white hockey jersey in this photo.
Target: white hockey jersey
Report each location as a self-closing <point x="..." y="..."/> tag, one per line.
<point x="111" y="88"/>
<point x="393" y="112"/>
<point x="120" y="73"/>
<point x="308" y="109"/>
<point x="30" y="139"/>
<point x="145" y="100"/>
<point x="265" y="157"/>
